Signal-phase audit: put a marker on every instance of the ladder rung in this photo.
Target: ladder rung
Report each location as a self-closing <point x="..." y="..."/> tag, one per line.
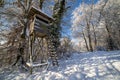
<point x="53" y="52"/>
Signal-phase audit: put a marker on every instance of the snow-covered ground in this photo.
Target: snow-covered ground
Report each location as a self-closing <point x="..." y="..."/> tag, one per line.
<point x="98" y="65"/>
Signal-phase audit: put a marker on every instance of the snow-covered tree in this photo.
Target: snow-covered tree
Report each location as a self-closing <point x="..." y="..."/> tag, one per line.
<point x="94" y="21"/>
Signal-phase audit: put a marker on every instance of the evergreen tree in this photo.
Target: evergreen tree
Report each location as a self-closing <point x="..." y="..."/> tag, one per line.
<point x="58" y="13"/>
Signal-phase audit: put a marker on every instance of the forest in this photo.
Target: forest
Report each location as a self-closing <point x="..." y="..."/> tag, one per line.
<point x="39" y="37"/>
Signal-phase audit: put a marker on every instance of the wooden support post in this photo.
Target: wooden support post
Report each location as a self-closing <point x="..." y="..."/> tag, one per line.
<point x="31" y="52"/>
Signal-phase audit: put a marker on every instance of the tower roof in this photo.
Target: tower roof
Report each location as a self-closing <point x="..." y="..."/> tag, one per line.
<point x="34" y="11"/>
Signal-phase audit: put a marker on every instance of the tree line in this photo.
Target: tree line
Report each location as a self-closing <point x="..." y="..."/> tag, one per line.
<point x="98" y="24"/>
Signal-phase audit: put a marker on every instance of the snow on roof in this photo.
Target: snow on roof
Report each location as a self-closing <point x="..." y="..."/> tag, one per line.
<point x="34" y="10"/>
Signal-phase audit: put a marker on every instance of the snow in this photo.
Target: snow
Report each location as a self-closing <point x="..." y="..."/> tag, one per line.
<point x="99" y="65"/>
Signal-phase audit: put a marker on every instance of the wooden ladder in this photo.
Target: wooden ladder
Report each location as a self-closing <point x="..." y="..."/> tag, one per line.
<point x="52" y="50"/>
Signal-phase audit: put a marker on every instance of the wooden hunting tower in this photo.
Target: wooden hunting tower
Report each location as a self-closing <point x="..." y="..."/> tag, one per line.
<point x="39" y="22"/>
<point x="41" y="42"/>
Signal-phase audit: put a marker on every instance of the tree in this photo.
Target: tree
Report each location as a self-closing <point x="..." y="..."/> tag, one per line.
<point x="110" y="17"/>
<point x="59" y="10"/>
<point x="96" y="19"/>
<point x="65" y="48"/>
<point x="83" y="21"/>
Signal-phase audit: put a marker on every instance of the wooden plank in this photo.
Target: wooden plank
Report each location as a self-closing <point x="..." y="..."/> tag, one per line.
<point x="40" y="31"/>
<point x="42" y="19"/>
<point x="41" y="23"/>
<point x="38" y="34"/>
<point x="36" y="64"/>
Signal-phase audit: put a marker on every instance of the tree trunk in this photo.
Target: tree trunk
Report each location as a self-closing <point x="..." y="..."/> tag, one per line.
<point x="109" y="39"/>
<point x="58" y="13"/>
<point x="85" y="41"/>
<point x="94" y="35"/>
<point x="89" y="37"/>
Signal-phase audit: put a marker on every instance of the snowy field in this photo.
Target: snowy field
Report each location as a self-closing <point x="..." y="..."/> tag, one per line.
<point x="98" y="65"/>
